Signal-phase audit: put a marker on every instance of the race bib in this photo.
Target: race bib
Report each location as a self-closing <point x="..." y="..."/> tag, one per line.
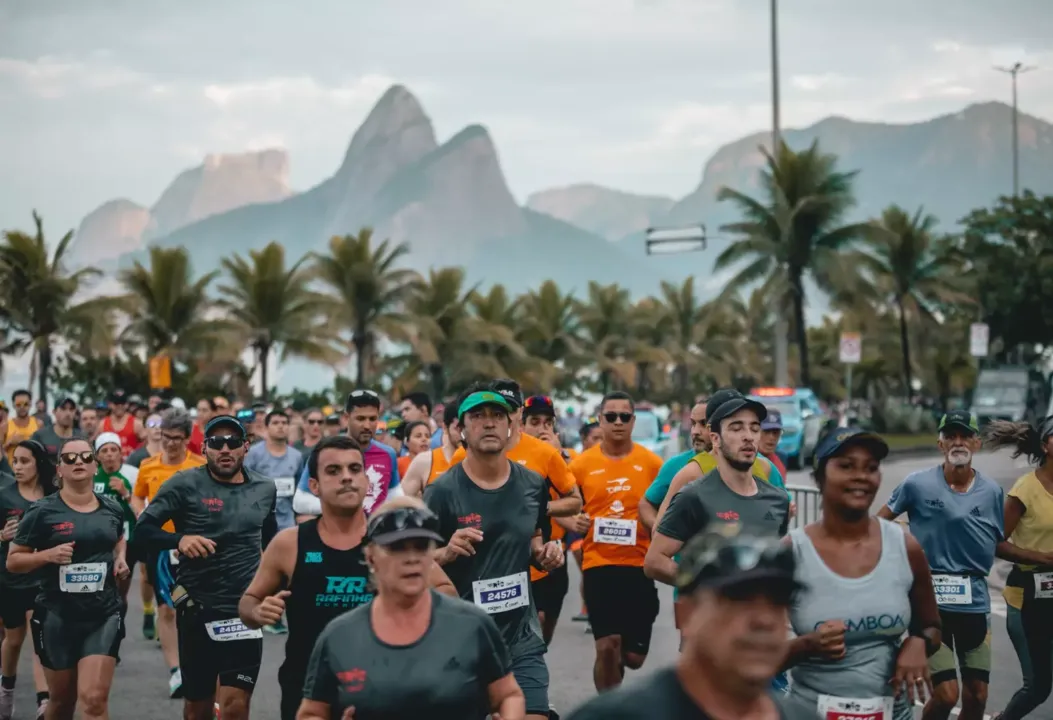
<point x="173" y="557"/>
<point x="836" y="708"/>
<point x="286" y="486"/>
<point x="82" y="577"/>
<point x="953" y="589"/>
<point x="100" y="488"/>
<point x="502" y="594"/>
<point x="1043" y="586"/>
<point x="614" y="531"/>
<point x="234" y="629"/>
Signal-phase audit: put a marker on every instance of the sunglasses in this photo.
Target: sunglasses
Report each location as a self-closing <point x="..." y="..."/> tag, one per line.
<point x="315" y="422"/>
<point x="538" y="400"/>
<point x="363" y="393"/>
<point x="70" y="458"/>
<point x="403" y="518"/>
<point x="155" y="423"/>
<point x="613" y="416"/>
<point x="218" y="442"/>
<point x="173" y="438"/>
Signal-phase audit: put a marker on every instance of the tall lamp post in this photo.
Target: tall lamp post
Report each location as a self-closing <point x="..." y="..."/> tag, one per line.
<point x="782" y="364"/>
<point x="1014" y="71"/>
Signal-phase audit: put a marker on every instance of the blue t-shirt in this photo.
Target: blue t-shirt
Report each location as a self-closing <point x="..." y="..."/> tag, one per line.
<point x="436" y="438"/>
<point x="958" y="532"/>
<point x="660" y="485"/>
<point x="282" y="470"/>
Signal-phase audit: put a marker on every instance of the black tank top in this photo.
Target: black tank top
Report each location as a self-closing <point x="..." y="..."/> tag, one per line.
<point x="325" y="583"/>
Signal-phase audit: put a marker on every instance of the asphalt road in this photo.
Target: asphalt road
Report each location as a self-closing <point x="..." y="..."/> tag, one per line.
<point x="140" y="689"/>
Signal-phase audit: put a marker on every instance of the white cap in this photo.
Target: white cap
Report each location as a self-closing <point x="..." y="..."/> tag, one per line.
<point x="178" y="403"/>
<point x="105" y="439"/>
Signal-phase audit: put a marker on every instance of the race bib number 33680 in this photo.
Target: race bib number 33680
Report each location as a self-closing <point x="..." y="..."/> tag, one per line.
<point x="82" y="577"/>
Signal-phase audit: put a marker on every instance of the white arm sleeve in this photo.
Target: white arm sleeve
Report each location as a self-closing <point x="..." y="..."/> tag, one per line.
<point x="305" y="502"/>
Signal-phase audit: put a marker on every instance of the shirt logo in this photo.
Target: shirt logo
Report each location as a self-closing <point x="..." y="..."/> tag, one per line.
<point x="975" y="512"/>
<point x="617" y="485"/>
<point x="769" y="515"/>
<point x="344" y="592"/>
<point x="937" y="504"/>
<point x="62" y="528"/>
<point x="353" y="680"/>
<point x="312" y="557"/>
<point x="728" y="515"/>
<point x="474" y="520"/>
<point x="617" y="507"/>
<point x="598" y="472"/>
<point x="212" y="504"/>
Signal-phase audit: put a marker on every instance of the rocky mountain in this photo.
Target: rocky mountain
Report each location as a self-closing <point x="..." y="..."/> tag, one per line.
<point x="221" y="183"/>
<point x="448" y="201"/>
<point x="612" y="214"/>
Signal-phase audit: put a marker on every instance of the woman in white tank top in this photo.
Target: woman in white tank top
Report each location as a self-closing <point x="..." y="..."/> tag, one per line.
<point x="867" y="586"/>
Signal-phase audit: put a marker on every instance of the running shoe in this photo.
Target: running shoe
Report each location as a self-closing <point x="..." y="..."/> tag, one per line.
<point x="277" y="628"/>
<point x="175" y="685"/>
<point x="7" y="703"/>
<point x="581" y="617"/>
<point x="149" y="629"/>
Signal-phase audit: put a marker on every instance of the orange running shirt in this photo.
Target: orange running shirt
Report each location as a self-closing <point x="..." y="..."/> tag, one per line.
<point x="153" y="473"/>
<point x="438" y="465"/>
<point x="403" y="465"/>
<point x="611" y="490"/>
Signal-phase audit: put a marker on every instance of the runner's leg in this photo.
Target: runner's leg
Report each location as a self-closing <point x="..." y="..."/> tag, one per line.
<point x="1037" y="622"/>
<point x="94" y="679"/>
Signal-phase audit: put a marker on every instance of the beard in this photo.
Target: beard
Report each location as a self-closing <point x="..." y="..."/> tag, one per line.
<point x="224" y="474"/>
<point x="740" y="465"/>
<point x="960" y="457"/>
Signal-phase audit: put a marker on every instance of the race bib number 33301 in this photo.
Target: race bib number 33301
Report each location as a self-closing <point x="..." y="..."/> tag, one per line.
<point x="953" y="589"/>
<point x="839" y="708"/>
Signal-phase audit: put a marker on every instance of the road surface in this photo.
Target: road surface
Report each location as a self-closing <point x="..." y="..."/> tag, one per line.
<point x="140" y="688"/>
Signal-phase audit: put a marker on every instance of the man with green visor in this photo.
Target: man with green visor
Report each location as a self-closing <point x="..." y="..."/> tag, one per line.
<point x="957" y="514"/>
<point x="491" y="515"/>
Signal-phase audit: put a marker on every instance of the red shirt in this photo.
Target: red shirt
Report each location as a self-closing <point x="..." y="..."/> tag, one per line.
<point x="197" y="439"/>
<point x="129" y="440"/>
<point x="778" y="463"/>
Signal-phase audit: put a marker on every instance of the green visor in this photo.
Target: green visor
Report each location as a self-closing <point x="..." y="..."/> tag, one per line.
<point x="479" y="399"/>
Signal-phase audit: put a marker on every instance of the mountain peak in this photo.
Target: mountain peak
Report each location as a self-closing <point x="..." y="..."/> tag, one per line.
<point x="397" y="115"/>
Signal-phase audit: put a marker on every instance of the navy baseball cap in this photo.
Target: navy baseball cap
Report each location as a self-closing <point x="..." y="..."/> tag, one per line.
<point x="843" y="438"/>
<point x="225" y="421"/>
<point x="773" y="421"/>
<point x="510" y="390"/>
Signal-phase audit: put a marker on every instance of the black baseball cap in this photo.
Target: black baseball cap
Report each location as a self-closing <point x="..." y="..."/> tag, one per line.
<point x="225" y="421"/>
<point x="64" y="401"/>
<point x="725" y="403"/>
<point x="961" y="419"/>
<point x="332" y="419"/>
<point x="362" y="398"/>
<point x="510" y="390"/>
<point x="726" y="561"/>
<point x="118" y="397"/>
<point x="539" y="405"/>
<point x="841" y="439"/>
<point x="403" y="523"/>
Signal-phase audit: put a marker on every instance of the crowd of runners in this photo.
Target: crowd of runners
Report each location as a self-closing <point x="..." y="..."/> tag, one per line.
<point x="418" y="567"/>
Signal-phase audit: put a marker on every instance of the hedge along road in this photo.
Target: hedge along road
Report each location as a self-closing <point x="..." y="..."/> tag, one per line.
<point x="140" y="688"/>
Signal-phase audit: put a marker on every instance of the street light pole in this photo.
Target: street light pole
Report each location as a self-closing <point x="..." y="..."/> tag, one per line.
<point x="1014" y="71"/>
<point x="782" y="369"/>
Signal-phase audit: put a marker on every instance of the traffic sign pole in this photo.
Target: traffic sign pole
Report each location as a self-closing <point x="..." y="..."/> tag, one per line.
<point x="851" y="353"/>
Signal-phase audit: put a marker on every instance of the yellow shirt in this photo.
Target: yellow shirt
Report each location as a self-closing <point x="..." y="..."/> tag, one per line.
<point x="153" y="472"/>
<point x="26" y="433"/>
<point x="1035" y="529"/>
<point x="761" y="467"/>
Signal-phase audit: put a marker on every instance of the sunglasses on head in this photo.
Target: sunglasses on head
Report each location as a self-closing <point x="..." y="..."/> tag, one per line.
<point x="364" y="393"/>
<point x="218" y="442"/>
<point x="612" y="416"/>
<point x="542" y="400"/>
<point x="153" y="422"/>
<point x="71" y="458"/>
<point x="403" y="518"/>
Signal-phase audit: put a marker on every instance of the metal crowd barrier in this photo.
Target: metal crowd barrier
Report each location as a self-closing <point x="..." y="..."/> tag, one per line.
<point x="808" y="502"/>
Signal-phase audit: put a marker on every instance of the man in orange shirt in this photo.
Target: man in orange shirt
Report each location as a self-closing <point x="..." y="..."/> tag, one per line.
<point x="176" y="427"/>
<point x="622" y="600"/>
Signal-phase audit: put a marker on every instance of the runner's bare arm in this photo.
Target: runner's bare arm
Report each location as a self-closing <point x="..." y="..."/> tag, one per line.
<point x="22" y="559"/>
<point x="567" y="505"/>
<point x="648" y="514"/>
<point x="925" y="613"/>
<point x="885" y="513"/>
<point x="313" y="710"/>
<point x="416" y="475"/>
<point x="439" y="581"/>
<point x="275" y="567"/>
<point x="140" y="429"/>
<point x="1014" y="510"/>
<point x="688" y="473"/>
<point x="506" y="699"/>
<point x="659" y="563"/>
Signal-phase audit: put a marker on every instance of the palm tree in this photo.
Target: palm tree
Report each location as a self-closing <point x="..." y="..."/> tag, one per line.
<point x="370" y="287"/>
<point x="170" y="313"/>
<point x="911" y="269"/>
<point x="604" y="322"/>
<point x="274" y="306"/>
<point x="549" y="331"/>
<point x="39" y="296"/>
<point x="649" y="327"/>
<point x="792" y="233"/>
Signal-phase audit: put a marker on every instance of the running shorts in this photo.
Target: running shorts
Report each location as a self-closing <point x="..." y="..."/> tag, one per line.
<point x="14" y="604"/>
<point x="550" y="590"/>
<point x="966" y="636"/>
<point x="61" y="644"/>
<point x="621" y="601"/>
<point x="290" y="682"/>
<point x="203" y="661"/>
<point x="531" y="674"/>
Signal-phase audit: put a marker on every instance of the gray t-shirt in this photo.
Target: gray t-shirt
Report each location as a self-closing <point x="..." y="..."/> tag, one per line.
<point x="444" y="674"/>
<point x="497" y="577"/>
<point x="708" y="501"/>
<point x="138" y="455"/>
<point x="232" y="515"/>
<point x="282" y="470"/>
<point x="958" y="532"/>
<point x="51" y="440"/>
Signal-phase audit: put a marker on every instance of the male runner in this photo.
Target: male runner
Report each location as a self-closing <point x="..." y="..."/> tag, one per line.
<point x="362" y="411"/>
<point x="956" y="513"/>
<point x="771" y="433"/>
<point x="153" y="473"/>
<point x="123" y="423"/>
<point x="622" y="601"/>
<point x="426" y="467"/>
<point x="492" y="512"/>
<point x="89" y="422"/>
<point x="417" y="407"/>
<point x="317" y="570"/>
<point x="222" y="514"/>
<point x="22" y="425"/>
<point x="52" y="436"/>
<point x="655" y="494"/>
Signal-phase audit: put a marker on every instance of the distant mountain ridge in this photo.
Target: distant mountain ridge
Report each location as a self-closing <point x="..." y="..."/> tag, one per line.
<point x="612" y="214"/>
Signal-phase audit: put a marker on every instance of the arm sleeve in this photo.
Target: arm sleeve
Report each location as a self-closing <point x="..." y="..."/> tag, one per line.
<point x="320" y="680"/>
<point x="900" y="501"/>
<point x="435" y="499"/>
<point x="684" y="518"/>
<point x="559" y="475"/>
<point x="544" y="523"/>
<point x="164" y="507"/>
<point x="494" y="659"/>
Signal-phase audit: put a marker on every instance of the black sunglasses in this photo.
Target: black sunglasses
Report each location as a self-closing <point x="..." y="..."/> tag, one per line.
<point x="315" y="422"/>
<point x="612" y="416"/>
<point x="218" y="442"/>
<point x="70" y="458"/>
<point x="403" y="518"/>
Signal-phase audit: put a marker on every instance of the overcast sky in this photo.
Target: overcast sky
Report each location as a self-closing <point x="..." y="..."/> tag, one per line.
<point x="112" y="98"/>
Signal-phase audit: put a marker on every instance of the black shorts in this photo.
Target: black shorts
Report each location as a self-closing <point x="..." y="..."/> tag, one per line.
<point x="290" y="681"/>
<point x="550" y="590"/>
<point x="61" y="643"/>
<point x="621" y="601"/>
<point x="14" y="604"/>
<point x="204" y="660"/>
